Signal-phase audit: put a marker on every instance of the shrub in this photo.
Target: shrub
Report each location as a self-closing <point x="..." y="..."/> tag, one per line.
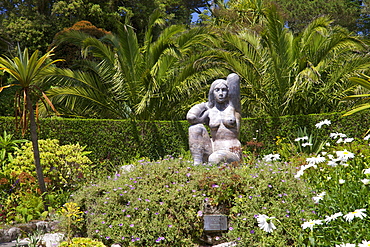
<point x="162" y="203"/>
<point x="78" y="242"/>
<point x="126" y="140"/>
<point x="64" y="167"/>
<point x="339" y="176"/>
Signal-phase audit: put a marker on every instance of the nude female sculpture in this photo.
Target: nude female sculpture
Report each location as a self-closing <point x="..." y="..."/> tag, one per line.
<point x="222" y="114"/>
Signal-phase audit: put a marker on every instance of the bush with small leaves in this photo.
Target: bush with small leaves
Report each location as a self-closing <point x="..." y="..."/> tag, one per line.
<point x="78" y="242"/>
<point x="162" y="203"/>
<point x="64" y="166"/>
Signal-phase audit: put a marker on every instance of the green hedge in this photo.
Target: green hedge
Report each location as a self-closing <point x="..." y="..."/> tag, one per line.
<point x="116" y="140"/>
<point x="266" y="130"/>
<point x="124" y="140"/>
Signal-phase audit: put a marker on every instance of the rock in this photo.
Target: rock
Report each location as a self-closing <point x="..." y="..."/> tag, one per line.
<point x="127" y="168"/>
<point x="52" y="239"/>
<point x="12" y="233"/>
<point x="228" y="244"/>
<point x="7" y="235"/>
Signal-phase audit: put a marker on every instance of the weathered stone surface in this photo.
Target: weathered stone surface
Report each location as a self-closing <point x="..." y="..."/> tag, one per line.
<point x="12" y="233"/>
<point x="222" y="114"/>
<point x="7" y="235"/>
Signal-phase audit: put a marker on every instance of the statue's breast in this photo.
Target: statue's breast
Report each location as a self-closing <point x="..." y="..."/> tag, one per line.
<point x="214" y="124"/>
<point x="229" y="121"/>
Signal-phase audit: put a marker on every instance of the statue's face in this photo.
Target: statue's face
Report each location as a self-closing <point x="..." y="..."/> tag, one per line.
<point x="221" y="93"/>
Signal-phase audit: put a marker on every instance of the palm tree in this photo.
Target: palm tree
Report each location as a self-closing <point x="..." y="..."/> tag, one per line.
<point x="155" y="80"/>
<point x="29" y="72"/>
<point x="364" y="81"/>
<point x="292" y="74"/>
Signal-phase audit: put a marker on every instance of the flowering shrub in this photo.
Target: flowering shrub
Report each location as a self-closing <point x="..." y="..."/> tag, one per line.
<point x="162" y="203"/>
<point x="154" y="203"/>
<point x="339" y="178"/>
<point x="270" y="208"/>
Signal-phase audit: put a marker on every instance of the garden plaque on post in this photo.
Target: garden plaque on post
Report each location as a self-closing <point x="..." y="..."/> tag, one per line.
<point x="215" y="223"/>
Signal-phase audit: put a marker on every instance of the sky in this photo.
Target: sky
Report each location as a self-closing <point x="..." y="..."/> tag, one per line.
<point x="195" y="15"/>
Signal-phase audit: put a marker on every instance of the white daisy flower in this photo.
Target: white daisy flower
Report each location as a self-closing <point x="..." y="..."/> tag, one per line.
<point x="341" y="181"/>
<point x="315" y="160"/>
<point x="345" y="245"/>
<point x="303" y="138"/>
<point x="271" y="157"/>
<point x="332" y="163"/>
<point x="367" y="171"/>
<point x="348" y="140"/>
<point x="299" y="173"/>
<point x="310" y="224"/>
<point x="304" y="167"/>
<point x="367" y="137"/>
<point x="344" y="155"/>
<point x="333" y="217"/>
<point x="320" y="124"/>
<point x="357" y="213"/>
<point x="336" y="135"/>
<point x="319" y="197"/>
<point x="365" y="181"/>
<point x="306" y="144"/>
<point x="364" y="243"/>
<point x="265" y="223"/>
<point x="340" y="140"/>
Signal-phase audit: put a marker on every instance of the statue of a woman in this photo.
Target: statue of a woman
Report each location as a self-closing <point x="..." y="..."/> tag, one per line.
<point x="222" y="114"/>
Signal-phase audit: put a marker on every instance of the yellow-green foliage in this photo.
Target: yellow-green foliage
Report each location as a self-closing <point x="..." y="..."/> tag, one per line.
<point x="79" y="242"/>
<point x="70" y="214"/>
<point x="63" y="166"/>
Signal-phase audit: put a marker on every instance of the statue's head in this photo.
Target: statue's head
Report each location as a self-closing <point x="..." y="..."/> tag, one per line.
<point x="219" y="92"/>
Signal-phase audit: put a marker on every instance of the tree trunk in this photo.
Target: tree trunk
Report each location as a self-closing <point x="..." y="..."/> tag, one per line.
<point x="36" y="152"/>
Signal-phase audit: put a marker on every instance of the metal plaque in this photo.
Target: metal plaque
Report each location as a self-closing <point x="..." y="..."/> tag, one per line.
<point x="215" y="222"/>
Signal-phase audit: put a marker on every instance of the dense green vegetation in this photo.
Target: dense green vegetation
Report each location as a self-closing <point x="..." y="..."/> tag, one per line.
<point x="302" y="198"/>
<point x="120" y="141"/>
<point x="144" y="65"/>
<point x="129" y="64"/>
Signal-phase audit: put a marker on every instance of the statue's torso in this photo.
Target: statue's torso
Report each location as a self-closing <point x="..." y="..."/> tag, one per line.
<point x="224" y="128"/>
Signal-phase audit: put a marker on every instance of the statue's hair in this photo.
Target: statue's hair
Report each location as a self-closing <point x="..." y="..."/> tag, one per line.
<point x="233" y="86"/>
<point x="211" y="96"/>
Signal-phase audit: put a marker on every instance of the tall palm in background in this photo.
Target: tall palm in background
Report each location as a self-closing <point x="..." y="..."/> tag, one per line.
<point x="362" y="98"/>
<point x="155" y="80"/>
<point x="29" y="72"/>
<point x="292" y="74"/>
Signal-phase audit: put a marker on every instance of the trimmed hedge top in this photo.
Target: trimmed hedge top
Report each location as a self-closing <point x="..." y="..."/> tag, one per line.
<point x="125" y="140"/>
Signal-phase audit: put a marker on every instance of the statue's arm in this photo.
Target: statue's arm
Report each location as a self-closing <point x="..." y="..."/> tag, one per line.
<point x="233" y="82"/>
<point x="238" y="118"/>
<point x="198" y="114"/>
